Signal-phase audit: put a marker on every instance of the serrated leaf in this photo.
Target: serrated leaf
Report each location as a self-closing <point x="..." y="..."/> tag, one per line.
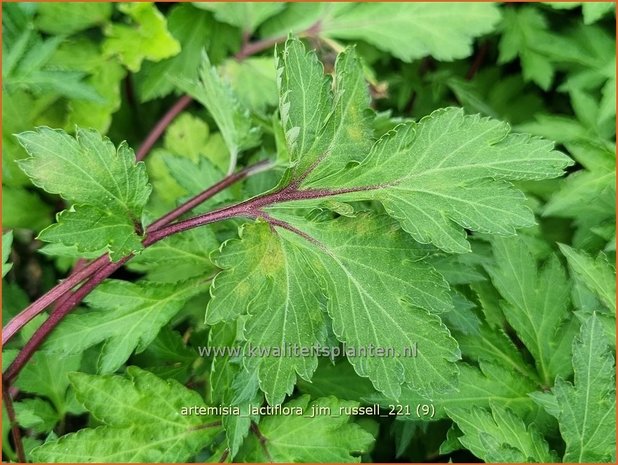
<point x="313" y="129"/>
<point x="142" y="422"/>
<point x="491" y="383"/>
<point x="298" y="438"/>
<point x="586" y="409"/>
<point x="596" y="274"/>
<point x="406" y="30"/>
<point x="536" y="305"/>
<point x="47" y="375"/>
<point x="271" y="279"/>
<point x="523" y="29"/>
<point x="499" y="435"/>
<point x="37" y="414"/>
<point x="109" y="188"/>
<point x="449" y="172"/>
<point x="358" y="278"/>
<point x="247" y="16"/>
<point x="7" y="241"/>
<point x="147" y="39"/>
<point x="232" y="118"/>
<point x="127" y="316"/>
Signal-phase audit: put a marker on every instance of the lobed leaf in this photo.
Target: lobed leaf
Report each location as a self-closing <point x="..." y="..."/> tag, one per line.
<point x="142" y="422"/>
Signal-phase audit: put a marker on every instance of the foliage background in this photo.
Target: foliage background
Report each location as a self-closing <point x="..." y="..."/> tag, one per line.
<point x="546" y="68"/>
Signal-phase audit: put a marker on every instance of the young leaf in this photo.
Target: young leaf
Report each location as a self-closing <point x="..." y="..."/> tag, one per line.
<point x="537" y="304"/>
<point x="499" y="435"/>
<point x="105" y="183"/>
<point x="148" y="39"/>
<point x="327" y="437"/>
<point x="596" y="274"/>
<point x="127" y="316"/>
<point x="586" y="409"/>
<point x="232" y="118"/>
<point x="7" y="241"/>
<point x="142" y="422"/>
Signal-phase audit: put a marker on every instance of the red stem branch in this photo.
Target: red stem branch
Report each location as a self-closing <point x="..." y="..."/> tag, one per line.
<point x="8" y="403"/>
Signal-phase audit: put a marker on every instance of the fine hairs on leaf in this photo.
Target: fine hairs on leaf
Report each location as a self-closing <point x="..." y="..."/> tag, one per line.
<point x="345" y="234"/>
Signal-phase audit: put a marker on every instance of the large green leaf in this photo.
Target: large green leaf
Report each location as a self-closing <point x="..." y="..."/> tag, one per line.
<point x="142" y="422"/>
<point x="107" y="186"/>
<point x="406" y="30"/>
<point x="329" y="436"/>
<point x="127" y="316"/>
<point x="586" y="408"/>
<point x="499" y="435"/>
<point x="377" y="298"/>
<point x="537" y="302"/>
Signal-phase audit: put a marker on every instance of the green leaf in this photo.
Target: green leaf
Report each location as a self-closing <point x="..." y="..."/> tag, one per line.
<point x="339" y="380"/>
<point x="47" y="375"/>
<point x="105" y="183"/>
<point x="37" y="414"/>
<point x="147" y="39"/>
<point x="536" y="304"/>
<point x="593" y="11"/>
<point x="299" y="438"/>
<point x="272" y="278"/>
<point x="523" y="30"/>
<point x="187" y="136"/>
<point x="375" y="296"/>
<point x="232" y="118"/>
<point x="26" y="66"/>
<point x="406" y="30"/>
<point x="312" y="127"/>
<point x="178" y="257"/>
<point x="253" y="81"/>
<point x="586" y="409"/>
<point x="127" y="316"/>
<point x="194" y="30"/>
<point x="596" y="274"/>
<point x="66" y="18"/>
<point x="7" y="241"/>
<point x="142" y="422"/>
<point x="454" y="176"/>
<point x="499" y="435"/>
<point x="481" y="387"/>
<point x="246" y="16"/>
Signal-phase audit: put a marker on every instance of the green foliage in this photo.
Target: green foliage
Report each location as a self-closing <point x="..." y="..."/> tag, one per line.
<point x="147" y="39"/>
<point x="400" y="244"/>
<point x="141" y="418"/>
<point x="301" y="439"/>
<point x="108" y="189"/>
<point x="586" y="409"/>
